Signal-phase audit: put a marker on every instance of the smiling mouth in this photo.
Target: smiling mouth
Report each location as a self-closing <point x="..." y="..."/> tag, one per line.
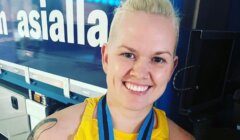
<point x="136" y="88"/>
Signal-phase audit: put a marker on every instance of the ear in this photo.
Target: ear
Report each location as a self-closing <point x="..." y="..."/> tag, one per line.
<point x="175" y="63"/>
<point x="104" y="52"/>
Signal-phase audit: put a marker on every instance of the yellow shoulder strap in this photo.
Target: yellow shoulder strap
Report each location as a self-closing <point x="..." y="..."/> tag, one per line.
<point x="89" y="109"/>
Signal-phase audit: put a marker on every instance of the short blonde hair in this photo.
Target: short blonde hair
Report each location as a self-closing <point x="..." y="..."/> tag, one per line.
<point x="157" y="7"/>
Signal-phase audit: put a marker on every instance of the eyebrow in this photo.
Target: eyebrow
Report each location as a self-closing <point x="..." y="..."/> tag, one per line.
<point x="163" y="52"/>
<point x="128" y="48"/>
<point x="157" y="53"/>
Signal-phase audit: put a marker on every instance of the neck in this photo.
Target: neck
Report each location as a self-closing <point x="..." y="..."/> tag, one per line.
<point x="127" y="120"/>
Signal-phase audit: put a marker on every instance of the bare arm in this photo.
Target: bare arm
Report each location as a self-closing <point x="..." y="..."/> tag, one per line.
<point x="177" y="133"/>
<point x="44" y="125"/>
<point x="61" y="125"/>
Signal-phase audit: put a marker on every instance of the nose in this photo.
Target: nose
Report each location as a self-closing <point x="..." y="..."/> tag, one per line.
<point x="140" y="69"/>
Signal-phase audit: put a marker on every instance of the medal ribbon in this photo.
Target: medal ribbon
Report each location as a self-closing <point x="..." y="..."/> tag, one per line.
<point x="105" y="127"/>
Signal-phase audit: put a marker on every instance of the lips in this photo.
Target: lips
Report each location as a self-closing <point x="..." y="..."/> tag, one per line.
<point x="135" y="87"/>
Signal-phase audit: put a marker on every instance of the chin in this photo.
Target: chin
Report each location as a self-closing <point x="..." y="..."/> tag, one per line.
<point x="135" y="103"/>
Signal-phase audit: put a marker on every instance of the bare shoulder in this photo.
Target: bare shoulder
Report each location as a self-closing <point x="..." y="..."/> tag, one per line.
<point x="178" y="133"/>
<point x="61" y="125"/>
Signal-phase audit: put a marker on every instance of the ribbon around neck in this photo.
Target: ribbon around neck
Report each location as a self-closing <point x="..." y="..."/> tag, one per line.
<point x="105" y="126"/>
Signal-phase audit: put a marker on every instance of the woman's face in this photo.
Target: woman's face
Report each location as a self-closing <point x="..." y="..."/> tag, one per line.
<point x="139" y="60"/>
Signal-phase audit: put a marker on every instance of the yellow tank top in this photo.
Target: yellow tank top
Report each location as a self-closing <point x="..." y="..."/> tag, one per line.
<point x="88" y="128"/>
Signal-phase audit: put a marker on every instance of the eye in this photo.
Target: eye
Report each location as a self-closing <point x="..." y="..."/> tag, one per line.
<point x="158" y="60"/>
<point x="128" y="55"/>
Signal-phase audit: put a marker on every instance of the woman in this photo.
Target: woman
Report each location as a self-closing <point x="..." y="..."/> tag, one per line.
<point x="138" y="60"/>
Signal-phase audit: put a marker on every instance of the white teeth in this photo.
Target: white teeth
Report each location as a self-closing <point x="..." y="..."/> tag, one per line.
<point x="136" y="87"/>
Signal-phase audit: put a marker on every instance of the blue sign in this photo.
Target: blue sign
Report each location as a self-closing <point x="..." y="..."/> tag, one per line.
<point x="62" y="37"/>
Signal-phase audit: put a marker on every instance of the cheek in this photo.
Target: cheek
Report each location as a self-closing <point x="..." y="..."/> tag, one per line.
<point x="116" y="71"/>
<point x="119" y="66"/>
<point x="114" y="68"/>
<point x="163" y="76"/>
